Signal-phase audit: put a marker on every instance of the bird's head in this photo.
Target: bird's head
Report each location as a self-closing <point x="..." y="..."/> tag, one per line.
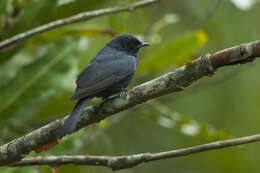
<point x="127" y="43"/>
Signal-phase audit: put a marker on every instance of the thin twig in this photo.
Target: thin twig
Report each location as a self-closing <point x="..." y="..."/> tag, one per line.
<point x="170" y="82"/>
<point x="123" y="162"/>
<point x="73" y="19"/>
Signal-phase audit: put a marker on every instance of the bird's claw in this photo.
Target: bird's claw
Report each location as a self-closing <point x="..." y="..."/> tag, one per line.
<point x="123" y="92"/>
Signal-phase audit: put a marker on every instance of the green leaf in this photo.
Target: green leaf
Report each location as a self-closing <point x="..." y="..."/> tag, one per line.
<point x="53" y="72"/>
<point x="31" y="15"/>
<point x="3" y="7"/>
<point x="175" y="53"/>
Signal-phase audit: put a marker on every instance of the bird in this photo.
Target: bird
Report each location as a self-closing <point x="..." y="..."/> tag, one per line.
<point x="108" y="73"/>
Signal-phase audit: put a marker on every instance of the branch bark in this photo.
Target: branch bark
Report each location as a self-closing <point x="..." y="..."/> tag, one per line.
<point x="73" y="19"/>
<point x="123" y="162"/>
<point x="171" y="82"/>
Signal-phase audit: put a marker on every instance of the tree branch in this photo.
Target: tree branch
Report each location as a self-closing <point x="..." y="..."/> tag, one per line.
<point x="123" y="162"/>
<point x="73" y="19"/>
<point x="170" y="82"/>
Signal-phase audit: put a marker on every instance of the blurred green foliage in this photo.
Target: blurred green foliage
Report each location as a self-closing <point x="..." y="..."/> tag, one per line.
<point x="182" y="48"/>
<point x="37" y="78"/>
<point x="48" y="74"/>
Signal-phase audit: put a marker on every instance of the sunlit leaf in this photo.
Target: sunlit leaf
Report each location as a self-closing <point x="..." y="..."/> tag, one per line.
<point x="102" y="124"/>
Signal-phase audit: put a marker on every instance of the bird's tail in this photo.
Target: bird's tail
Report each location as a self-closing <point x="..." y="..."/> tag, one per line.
<point x="71" y="122"/>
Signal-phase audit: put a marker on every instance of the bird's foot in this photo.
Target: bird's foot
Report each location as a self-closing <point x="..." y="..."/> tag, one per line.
<point x="123" y="92"/>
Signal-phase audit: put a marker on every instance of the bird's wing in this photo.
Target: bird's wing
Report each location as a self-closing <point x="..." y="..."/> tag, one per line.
<point x="100" y="75"/>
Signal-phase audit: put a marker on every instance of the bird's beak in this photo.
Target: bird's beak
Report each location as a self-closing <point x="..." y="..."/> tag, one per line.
<point x="144" y="44"/>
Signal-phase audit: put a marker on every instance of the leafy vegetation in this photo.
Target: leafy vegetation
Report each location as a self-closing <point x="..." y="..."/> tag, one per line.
<point x="37" y="78"/>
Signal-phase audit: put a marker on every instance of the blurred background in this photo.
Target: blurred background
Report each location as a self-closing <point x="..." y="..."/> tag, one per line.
<point x="37" y="78"/>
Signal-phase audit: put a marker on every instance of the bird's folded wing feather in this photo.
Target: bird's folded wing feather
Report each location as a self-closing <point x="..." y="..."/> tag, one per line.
<point x="100" y="75"/>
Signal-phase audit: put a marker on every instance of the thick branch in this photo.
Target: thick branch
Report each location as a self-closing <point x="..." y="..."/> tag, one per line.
<point x="73" y="19"/>
<point x="122" y="162"/>
<point x="170" y="82"/>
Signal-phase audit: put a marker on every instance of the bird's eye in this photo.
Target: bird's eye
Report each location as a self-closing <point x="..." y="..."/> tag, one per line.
<point x="133" y="45"/>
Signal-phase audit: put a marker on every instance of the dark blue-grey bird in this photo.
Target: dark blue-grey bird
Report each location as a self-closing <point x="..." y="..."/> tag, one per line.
<point x="108" y="73"/>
